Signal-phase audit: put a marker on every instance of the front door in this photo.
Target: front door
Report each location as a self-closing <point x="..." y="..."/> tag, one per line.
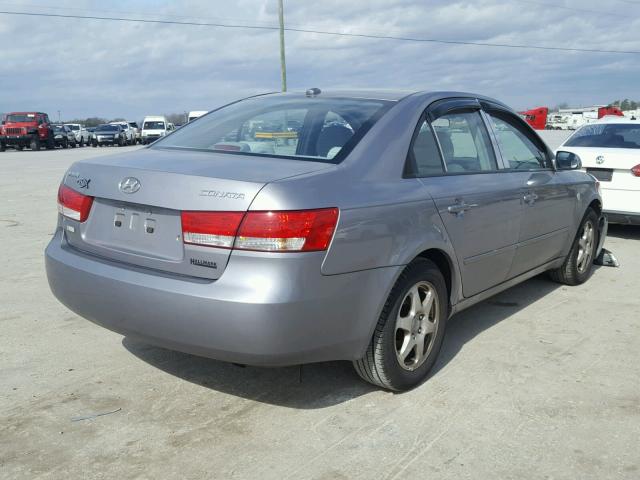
<point x="548" y="200"/>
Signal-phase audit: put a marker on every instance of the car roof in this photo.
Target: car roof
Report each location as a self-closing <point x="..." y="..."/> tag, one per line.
<point x="391" y="95"/>
<point x="25" y="113"/>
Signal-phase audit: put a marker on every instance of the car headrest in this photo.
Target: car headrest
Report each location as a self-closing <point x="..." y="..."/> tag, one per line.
<point x="331" y="137"/>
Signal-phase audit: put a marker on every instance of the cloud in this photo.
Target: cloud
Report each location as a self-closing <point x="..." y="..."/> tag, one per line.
<point x="94" y="67"/>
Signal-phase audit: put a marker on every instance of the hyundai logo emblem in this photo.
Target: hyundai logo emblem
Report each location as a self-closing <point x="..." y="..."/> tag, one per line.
<point x="599" y="159"/>
<point x="129" y="185"/>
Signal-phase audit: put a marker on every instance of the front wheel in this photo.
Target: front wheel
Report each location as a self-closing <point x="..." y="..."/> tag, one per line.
<point x="410" y="330"/>
<point x="34" y="144"/>
<point x="65" y="143"/>
<point x="578" y="265"/>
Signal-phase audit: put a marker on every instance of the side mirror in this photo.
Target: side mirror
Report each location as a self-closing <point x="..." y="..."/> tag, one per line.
<point x="568" y="161"/>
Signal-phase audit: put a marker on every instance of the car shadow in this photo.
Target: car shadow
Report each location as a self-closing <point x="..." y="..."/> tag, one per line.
<point x="466" y="325"/>
<point x="627" y="232"/>
<point x="321" y="385"/>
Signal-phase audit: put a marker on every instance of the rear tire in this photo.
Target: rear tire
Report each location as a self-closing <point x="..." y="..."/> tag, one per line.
<point x="410" y="330"/>
<point x="578" y="266"/>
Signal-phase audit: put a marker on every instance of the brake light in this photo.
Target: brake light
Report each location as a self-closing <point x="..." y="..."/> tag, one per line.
<point x="287" y="231"/>
<point x="211" y="229"/>
<point x="636" y="170"/>
<point x="73" y="205"/>
<point x="281" y="231"/>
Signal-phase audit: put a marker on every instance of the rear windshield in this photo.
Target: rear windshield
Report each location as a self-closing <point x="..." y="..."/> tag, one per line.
<point x="153" y="126"/>
<point x="73" y="127"/>
<point x="21" y="118"/>
<point x="606" y="135"/>
<point x="317" y="129"/>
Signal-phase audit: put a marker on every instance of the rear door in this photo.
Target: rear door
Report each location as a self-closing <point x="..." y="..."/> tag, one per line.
<point x="479" y="205"/>
<point x="548" y="196"/>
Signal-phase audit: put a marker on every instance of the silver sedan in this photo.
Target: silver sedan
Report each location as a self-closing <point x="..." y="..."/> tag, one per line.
<point x="304" y="227"/>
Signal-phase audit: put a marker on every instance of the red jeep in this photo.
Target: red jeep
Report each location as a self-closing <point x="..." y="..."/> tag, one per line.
<point x="26" y="129"/>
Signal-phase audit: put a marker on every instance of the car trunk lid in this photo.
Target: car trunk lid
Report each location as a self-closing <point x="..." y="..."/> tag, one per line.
<point x="138" y="199"/>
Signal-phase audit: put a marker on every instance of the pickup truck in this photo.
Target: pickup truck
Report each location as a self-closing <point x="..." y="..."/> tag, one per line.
<point x="81" y="133"/>
<point x="26" y="129"/>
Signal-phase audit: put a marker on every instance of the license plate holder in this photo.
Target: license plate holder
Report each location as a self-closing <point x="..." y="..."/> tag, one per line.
<point x="602" y="174"/>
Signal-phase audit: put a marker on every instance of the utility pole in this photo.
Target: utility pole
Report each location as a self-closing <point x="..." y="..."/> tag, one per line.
<point x="283" y="64"/>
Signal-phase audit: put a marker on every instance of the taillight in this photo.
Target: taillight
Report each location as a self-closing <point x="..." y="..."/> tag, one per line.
<point x="72" y="204"/>
<point x="287" y="231"/>
<point x="280" y="231"/>
<point x="211" y="229"/>
<point x="636" y="170"/>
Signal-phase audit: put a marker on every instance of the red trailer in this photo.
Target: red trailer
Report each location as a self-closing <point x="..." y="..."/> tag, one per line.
<point x="604" y="111"/>
<point x="536" y="117"/>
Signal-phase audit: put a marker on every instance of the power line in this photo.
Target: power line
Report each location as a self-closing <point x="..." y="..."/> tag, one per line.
<point x="323" y="32"/>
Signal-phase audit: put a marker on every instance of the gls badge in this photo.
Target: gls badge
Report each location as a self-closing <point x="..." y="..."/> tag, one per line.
<point x="129" y="185"/>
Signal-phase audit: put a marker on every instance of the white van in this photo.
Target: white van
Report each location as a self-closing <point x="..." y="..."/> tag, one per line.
<point x="196" y="114"/>
<point x="153" y="127"/>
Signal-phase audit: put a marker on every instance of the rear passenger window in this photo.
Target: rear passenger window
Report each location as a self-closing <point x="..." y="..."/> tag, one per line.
<point x="424" y="157"/>
<point x="516" y="147"/>
<point x="465" y="143"/>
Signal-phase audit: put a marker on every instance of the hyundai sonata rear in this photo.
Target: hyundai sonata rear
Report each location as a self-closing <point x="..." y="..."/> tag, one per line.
<point x="182" y="245"/>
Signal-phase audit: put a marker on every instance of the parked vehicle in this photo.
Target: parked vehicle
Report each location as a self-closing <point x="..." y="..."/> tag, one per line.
<point x="109" y="134"/>
<point x="26" y="129"/>
<point x="64" y="137"/>
<point x="572" y="119"/>
<point x="610" y="151"/>
<point x="536" y="117"/>
<point x="129" y="133"/>
<point x="153" y="127"/>
<point x="239" y="239"/>
<point x="136" y="130"/>
<point x="81" y="133"/>
<point x="196" y="114"/>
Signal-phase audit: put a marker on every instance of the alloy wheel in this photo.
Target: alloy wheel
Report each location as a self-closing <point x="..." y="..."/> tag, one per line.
<point x="416" y="325"/>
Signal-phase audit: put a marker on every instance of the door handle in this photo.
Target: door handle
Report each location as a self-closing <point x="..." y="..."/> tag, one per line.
<point x="460" y="207"/>
<point x="530" y="198"/>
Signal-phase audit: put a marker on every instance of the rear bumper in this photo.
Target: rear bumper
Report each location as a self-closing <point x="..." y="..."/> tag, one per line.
<point x="624" y="218"/>
<point x="263" y="310"/>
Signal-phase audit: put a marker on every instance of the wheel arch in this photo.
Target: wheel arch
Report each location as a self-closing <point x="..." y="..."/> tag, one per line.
<point x="446" y="266"/>
<point x="596" y="205"/>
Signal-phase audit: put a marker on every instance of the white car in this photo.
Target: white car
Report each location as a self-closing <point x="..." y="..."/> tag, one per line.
<point x="81" y="133"/>
<point x="129" y="133"/>
<point x="610" y="151"/>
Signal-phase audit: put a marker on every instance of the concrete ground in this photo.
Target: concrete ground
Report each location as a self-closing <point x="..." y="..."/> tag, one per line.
<point x="542" y="381"/>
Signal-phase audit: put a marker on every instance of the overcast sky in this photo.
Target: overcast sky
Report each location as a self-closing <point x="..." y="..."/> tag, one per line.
<point x="108" y="69"/>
